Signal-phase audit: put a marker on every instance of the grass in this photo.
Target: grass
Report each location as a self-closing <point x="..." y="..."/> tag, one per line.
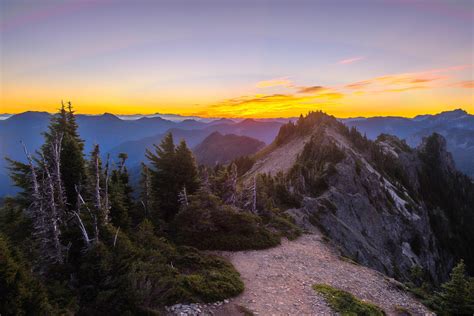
<point x="345" y="303"/>
<point x="402" y="311"/>
<point x="244" y="310"/>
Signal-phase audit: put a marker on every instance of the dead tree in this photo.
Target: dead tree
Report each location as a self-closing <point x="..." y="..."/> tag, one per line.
<point x="106" y="192"/>
<point x="232" y="186"/>
<point x="249" y="196"/>
<point x="146" y="189"/>
<point x="98" y="201"/>
<point x="254" y="195"/>
<point x="80" y="201"/>
<point x="43" y="214"/>
<point x="56" y="147"/>
<point x="183" y="197"/>
<point x="52" y="216"/>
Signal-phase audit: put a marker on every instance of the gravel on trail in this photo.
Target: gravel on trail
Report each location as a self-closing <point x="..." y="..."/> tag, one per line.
<point x="278" y="281"/>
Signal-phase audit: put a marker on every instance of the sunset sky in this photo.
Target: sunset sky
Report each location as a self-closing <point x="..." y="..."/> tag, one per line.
<point x="238" y="58"/>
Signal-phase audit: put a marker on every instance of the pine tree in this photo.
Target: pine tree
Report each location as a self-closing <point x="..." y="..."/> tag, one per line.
<point x="173" y="168"/>
<point x="165" y="189"/>
<point x="186" y="169"/>
<point x="72" y="163"/>
<point x="120" y="196"/>
<point x="455" y="295"/>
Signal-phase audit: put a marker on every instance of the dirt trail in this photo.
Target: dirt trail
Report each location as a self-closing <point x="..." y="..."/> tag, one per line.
<point x="278" y="281"/>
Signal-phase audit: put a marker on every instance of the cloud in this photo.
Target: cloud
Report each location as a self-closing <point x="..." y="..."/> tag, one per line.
<point x="312" y="89"/>
<point x="407" y="81"/>
<point x="350" y="60"/>
<point x="272" y="104"/>
<point x="468" y="84"/>
<point x="274" y="83"/>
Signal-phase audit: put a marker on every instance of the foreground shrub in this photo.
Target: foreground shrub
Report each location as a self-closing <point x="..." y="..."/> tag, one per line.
<point x="345" y="303"/>
<point x="207" y="224"/>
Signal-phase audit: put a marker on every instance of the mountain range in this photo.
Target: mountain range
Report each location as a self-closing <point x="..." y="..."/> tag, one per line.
<point x="136" y="133"/>
<point x="456" y="126"/>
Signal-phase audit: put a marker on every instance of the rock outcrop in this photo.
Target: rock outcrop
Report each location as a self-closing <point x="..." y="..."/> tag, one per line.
<point x="366" y="196"/>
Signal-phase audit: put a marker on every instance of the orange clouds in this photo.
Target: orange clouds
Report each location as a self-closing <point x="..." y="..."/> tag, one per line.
<point x="407" y="81"/>
<point x="468" y="84"/>
<point x="366" y="92"/>
<point x="275" y="104"/>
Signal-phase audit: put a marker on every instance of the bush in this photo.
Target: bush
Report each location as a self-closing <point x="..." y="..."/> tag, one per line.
<point x="20" y="292"/>
<point x="285" y="227"/>
<point x="345" y="303"/>
<point x="207" y="224"/>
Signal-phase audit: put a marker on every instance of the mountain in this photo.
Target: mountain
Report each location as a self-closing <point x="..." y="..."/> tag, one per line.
<point x="261" y="131"/>
<point x="136" y="148"/>
<point x="218" y="148"/>
<point x="456" y="126"/>
<point x="386" y="205"/>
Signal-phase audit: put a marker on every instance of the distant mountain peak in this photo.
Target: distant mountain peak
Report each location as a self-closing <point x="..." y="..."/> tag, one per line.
<point x="248" y="121"/>
<point x="109" y="116"/>
<point x="453" y="114"/>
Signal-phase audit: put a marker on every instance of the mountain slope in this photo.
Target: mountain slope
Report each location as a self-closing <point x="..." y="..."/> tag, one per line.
<point x="374" y="199"/>
<point x="456" y="126"/>
<point x="218" y="148"/>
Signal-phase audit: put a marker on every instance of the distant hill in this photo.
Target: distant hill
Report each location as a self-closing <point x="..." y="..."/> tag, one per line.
<point x="456" y="126"/>
<point x="218" y="148"/>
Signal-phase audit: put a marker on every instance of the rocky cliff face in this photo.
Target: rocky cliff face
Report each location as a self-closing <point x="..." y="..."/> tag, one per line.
<point x="366" y="196"/>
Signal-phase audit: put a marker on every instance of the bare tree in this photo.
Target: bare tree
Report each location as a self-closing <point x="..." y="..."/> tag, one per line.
<point x="232" y="185"/>
<point x="183" y="197"/>
<point x="146" y="189"/>
<point x="52" y="216"/>
<point x="56" y="147"/>
<point x="254" y="195"/>
<point x="106" y="192"/>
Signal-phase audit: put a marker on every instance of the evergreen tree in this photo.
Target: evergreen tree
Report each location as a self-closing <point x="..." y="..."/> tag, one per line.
<point x="20" y="292"/>
<point x="72" y="163"/>
<point x="186" y="170"/>
<point x="165" y="189"/>
<point x="455" y="297"/>
<point x="120" y="196"/>
<point x="173" y="169"/>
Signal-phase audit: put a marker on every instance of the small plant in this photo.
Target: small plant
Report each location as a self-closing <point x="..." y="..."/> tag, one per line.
<point x="345" y="303"/>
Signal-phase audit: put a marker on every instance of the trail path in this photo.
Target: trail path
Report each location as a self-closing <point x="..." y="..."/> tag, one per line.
<point x="278" y="281"/>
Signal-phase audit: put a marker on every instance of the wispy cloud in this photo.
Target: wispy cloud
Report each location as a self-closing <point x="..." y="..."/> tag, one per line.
<point x="407" y="81"/>
<point x="312" y="89"/>
<point x="274" y="83"/>
<point x="350" y="60"/>
<point x="468" y="84"/>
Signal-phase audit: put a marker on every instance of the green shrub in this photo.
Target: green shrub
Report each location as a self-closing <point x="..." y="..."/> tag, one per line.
<point x="207" y="224"/>
<point x="345" y="303"/>
<point x="285" y="227"/>
<point x="20" y="292"/>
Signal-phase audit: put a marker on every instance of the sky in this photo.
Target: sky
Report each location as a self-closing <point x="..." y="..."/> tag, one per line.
<point x="238" y="58"/>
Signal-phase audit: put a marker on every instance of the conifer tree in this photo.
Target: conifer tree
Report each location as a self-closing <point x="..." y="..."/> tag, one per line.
<point x="186" y="169"/>
<point x="173" y="168"/>
<point x="165" y="188"/>
<point x="455" y="295"/>
<point x="72" y="163"/>
<point x="120" y="195"/>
